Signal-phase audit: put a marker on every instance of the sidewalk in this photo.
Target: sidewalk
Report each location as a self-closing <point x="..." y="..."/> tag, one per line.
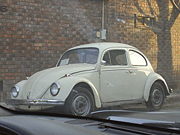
<point x="174" y="98"/>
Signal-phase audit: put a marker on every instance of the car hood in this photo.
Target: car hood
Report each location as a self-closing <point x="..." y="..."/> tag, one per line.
<point x="39" y="82"/>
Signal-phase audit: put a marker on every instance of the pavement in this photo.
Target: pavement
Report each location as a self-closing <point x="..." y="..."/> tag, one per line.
<point x="174" y="97"/>
<point x="169" y="112"/>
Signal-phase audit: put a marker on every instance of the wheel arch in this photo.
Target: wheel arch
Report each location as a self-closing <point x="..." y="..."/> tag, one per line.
<point x="152" y="78"/>
<point x="84" y="85"/>
<point x="164" y="86"/>
<point x="69" y="83"/>
<point x="92" y="90"/>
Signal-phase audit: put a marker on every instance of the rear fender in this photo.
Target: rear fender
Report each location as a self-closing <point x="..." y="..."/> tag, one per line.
<point x="153" y="77"/>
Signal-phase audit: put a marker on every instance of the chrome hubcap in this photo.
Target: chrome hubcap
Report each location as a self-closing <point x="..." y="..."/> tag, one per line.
<point x="157" y="97"/>
<point x="81" y="105"/>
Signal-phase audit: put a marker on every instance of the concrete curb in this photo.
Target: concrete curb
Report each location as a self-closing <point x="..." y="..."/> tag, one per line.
<point x="173" y="98"/>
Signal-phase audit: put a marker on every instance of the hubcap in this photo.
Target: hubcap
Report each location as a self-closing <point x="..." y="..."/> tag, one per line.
<point x="81" y="105"/>
<point x="157" y="97"/>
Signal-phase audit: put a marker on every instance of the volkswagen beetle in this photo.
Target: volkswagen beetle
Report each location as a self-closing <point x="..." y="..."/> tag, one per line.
<point x="92" y="76"/>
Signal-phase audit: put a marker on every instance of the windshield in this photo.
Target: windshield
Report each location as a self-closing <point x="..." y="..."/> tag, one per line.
<point x="119" y="57"/>
<point x="82" y="55"/>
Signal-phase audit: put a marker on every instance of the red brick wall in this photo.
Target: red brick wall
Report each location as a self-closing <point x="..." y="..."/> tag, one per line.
<point x="34" y="33"/>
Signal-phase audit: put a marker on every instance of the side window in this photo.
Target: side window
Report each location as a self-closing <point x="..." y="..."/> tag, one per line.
<point x="137" y="59"/>
<point x="107" y="58"/>
<point x="118" y="57"/>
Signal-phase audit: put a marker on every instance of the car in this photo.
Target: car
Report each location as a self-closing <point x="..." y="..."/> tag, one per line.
<point x="92" y="76"/>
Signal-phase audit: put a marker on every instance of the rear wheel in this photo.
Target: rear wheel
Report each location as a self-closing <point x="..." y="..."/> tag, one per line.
<point x="156" y="97"/>
<point x="80" y="102"/>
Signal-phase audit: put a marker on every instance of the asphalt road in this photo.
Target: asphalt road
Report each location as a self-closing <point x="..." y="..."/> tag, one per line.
<point x="169" y="112"/>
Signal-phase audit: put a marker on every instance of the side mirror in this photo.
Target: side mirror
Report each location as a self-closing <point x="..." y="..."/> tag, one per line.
<point x="103" y="62"/>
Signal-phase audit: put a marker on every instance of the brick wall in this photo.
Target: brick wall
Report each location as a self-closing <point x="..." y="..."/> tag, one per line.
<point x="121" y="28"/>
<point x="34" y="33"/>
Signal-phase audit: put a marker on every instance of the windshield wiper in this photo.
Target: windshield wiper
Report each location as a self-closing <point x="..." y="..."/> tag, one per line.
<point x="155" y="123"/>
<point x="146" y="129"/>
<point x="129" y="129"/>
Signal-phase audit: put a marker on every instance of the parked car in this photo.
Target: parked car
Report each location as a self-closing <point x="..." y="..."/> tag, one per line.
<point x="93" y="76"/>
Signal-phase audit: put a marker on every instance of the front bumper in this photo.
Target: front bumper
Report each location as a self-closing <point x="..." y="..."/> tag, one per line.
<point x="34" y="102"/>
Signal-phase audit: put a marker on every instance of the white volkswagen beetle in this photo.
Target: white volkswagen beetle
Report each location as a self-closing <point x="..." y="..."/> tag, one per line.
<point x="93" y="76"/>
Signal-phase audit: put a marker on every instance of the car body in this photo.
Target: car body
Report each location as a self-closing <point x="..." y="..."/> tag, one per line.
<point x="93" y="76"/>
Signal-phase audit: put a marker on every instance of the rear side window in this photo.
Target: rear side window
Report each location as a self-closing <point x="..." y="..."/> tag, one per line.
<point x="137" y="59"/>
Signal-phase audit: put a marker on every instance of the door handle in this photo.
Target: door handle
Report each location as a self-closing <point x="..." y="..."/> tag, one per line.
<point x="130" y="71"/>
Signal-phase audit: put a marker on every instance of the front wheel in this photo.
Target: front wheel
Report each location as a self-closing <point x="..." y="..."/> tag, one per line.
<point x="80" y="102"/>
<point x="156" y="97"/>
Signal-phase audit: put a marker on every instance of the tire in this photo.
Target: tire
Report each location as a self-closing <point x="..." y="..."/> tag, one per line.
<point x="80" y="102"/>
<point x="156" y="97"/>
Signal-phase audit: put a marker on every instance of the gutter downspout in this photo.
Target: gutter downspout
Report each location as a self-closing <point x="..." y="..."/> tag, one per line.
<point x="103" y="30"/>
<point x="103" y="14"/>
<point x="102" y="33"/>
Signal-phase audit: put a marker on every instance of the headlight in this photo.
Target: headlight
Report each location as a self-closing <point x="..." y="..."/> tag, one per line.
<point x="15" y="91"/>
<point x="54" y="89"/>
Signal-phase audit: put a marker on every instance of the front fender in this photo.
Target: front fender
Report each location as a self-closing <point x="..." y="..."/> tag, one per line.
<point x="20" y="85"/>
<point x="68" y="83"/>
<point x="151" y="79"/>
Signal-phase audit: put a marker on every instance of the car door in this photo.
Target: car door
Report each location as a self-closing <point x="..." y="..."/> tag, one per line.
<point x="139" y="72"/>
<point x="114" y="76"/>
